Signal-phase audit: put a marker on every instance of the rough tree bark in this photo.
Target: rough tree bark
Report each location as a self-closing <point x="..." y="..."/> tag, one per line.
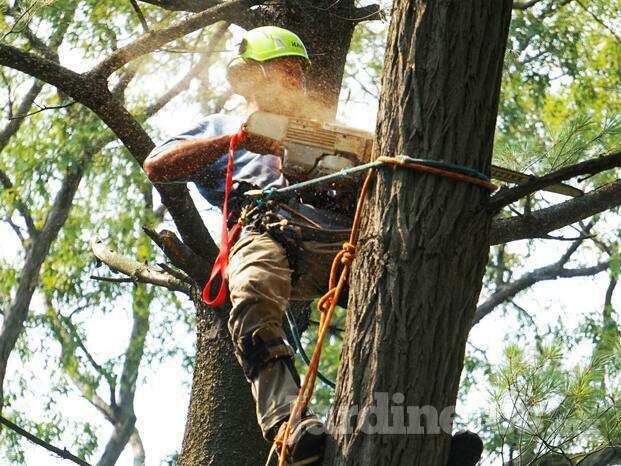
<point x="424" y="241"/>
<point x="221" y="427"/>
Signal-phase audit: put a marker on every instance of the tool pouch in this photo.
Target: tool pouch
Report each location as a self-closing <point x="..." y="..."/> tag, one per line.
<point x="286" y="223"/>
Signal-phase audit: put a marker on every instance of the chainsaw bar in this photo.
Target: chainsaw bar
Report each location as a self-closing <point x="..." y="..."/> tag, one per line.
<point x="512" y="176"/>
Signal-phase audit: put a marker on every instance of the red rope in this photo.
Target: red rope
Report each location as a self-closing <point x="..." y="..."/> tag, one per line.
<point x="227" y="238"/>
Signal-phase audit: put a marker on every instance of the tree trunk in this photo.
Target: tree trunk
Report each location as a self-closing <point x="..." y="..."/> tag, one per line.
<point x="424" y="238"/>
<point x="17" y="311"/>
<point x="221" y="427"/>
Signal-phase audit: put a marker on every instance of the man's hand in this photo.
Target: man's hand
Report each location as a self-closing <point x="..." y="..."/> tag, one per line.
<point x="261" y="145"/>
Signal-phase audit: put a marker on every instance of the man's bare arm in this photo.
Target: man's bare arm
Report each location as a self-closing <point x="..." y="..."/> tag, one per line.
<point x="188" y="158"/>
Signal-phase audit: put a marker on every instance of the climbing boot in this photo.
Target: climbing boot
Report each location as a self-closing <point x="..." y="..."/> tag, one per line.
<point x="305" y="442"/>
<point x="466" y="449"/>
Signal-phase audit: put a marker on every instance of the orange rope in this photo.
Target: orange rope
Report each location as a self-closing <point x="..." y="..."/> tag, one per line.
<point x="327" y="303"/>
<point x="438" y="171"/>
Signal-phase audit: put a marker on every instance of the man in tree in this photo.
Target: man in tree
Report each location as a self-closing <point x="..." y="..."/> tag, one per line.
<point x="267" y="259"/>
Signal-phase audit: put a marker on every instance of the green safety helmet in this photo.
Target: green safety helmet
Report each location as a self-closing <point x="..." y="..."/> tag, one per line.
<point x="268" y="42"/>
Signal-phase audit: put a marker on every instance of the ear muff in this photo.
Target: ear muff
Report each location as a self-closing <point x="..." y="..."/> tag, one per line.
<point x="244" y="74"/>
<point x="243" y="46"/>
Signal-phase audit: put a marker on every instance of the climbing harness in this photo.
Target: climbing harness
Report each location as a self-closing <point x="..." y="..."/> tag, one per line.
<point x="342" y="261"/>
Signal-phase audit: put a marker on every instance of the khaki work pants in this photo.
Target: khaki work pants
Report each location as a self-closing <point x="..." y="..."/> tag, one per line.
<point x="260" y="287"/>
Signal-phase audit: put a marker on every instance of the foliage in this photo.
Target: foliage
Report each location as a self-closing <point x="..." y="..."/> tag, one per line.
<point x="330" y="356"/>
<point x="547" y="403"/>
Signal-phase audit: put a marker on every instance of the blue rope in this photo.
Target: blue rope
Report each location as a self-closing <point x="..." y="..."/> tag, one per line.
<point x="300" y="349"/>
<point x="280" y="192"/>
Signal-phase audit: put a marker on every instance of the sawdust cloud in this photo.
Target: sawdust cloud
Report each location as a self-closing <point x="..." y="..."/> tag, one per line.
<point x="274" y="97"/>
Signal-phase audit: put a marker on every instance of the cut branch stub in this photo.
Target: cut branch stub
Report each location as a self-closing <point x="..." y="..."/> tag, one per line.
<point x="142" y="273"/>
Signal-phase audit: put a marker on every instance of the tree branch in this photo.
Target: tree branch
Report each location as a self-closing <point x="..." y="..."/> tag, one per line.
<point x="176" y="273"/>
<point x="554" y="7"/>
<point x="136" y="442"/>
<point x="49" y="50"/>
<point x="68" y="358"/>
<point x="18" y="310"/>
<point x="41" y="109"/>
<point x="183" y="83"/>
<point x="151" y="41"/>
<point x="128" y="75"/>
<point x="141" y="272"/>
<point x="121" y="415"/>
<point x="368" y="13"/>
<point x="88" y="92"/>
<point x="18" y="232"/>
<point x="600" y="21"/>
<point x="112" y="279"/>
<point x="179" y="254"/>
<point x="72" y="334"/>
<point x="140" y="327"/>
<point x="97" y="97"/>
<point x="13" y="126"/>
<point x="122" y="432"/>
<point x="42" y="443"/>
<point x="141" y="18"/>
<point x="591" y="167"/>
<point x="536" y="224"/>
<point x="15" y="123"/>
<point x="194" y="6"/>
<point x="507" y="291"/>
<point x="18" y="17"/>
<point x="20" y="205"/>
<point x="43" y="69"/>
<point x="5" y="135"/>
<point x="125" y="417"/>
<point x="606" y="456"/>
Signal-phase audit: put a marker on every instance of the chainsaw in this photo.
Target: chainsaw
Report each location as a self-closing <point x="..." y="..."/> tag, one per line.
<point x="313" y="149"/>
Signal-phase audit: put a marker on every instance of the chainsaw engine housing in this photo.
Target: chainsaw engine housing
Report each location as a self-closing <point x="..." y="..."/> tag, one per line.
<point x="312" y="148"/>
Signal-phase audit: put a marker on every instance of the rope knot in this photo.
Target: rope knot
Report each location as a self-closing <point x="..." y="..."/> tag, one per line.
<point x="348" y="253"/>
<point x="325" y="302"/>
